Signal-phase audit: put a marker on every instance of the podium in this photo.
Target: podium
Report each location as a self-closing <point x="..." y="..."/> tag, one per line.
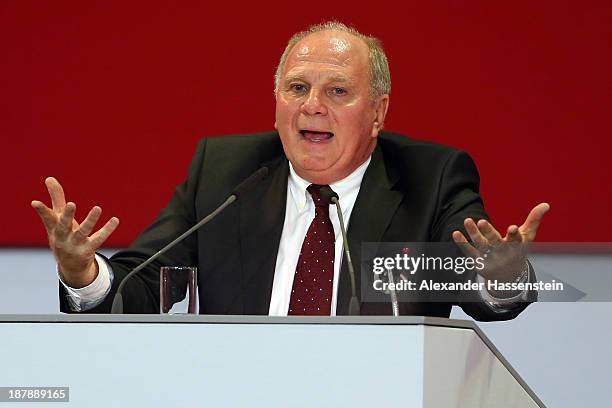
<point x="251" y="361"/>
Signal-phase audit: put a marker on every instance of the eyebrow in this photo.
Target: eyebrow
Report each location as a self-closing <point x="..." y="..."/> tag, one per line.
<point x="331" y="78"/>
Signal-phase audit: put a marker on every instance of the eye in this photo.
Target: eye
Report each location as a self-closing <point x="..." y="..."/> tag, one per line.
<point x="297" y="88"/>
<point x="338" y="91"/>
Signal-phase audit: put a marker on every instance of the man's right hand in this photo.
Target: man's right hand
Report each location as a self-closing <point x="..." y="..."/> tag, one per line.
<point x="72" y="245"/>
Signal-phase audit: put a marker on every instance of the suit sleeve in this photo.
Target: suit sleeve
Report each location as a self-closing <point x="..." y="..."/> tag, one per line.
<point x="459" y="198"/>
<point x="141" y="292"/>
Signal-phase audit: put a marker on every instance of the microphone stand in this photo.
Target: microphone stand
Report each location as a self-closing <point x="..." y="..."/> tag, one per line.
<point x="392" y="293"/>
<point x="354" y="308"/>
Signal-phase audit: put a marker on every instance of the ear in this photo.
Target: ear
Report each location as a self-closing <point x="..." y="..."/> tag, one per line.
<point x="275" y="125"/>
<point x="381" y="104"/>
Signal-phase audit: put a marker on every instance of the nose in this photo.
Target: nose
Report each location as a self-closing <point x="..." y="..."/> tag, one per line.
<point x="314" y="104"/>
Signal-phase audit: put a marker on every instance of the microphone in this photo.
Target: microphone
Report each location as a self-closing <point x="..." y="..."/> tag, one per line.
<point x="244" y="186"/>
<point x="331" y="195"/>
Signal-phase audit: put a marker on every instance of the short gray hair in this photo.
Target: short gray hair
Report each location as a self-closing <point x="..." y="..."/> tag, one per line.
<point x="380" y="77"/>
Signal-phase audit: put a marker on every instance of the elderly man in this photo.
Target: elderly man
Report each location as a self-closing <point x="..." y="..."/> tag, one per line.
<point x="279" y="250"/>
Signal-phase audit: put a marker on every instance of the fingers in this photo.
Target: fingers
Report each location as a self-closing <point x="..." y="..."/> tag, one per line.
<point x="48" y="217"/>
<point x="90" y="221"/>
<point x="458" y="237"/>
<point x="103" y="233"/>
<point x="489" y="232"/>
<point x="514" y="235"/>
<point x="64" y="226"/>
<point x="533" y="220"/>
<point x="477" y="237"/>
<point x="464" y="245"/>
<point x="58" y="198"/>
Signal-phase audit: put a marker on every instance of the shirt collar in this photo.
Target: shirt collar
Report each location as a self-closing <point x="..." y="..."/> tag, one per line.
<point x="344" y="187"/>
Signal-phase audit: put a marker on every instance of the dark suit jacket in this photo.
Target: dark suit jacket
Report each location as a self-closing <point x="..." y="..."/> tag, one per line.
<point x="412" y="191"/>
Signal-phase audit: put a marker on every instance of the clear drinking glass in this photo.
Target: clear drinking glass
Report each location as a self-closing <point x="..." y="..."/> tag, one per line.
<point x="177" y="290"/>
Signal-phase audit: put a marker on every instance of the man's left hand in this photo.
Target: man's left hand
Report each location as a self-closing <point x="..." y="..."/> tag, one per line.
<point x="506" y="257"/>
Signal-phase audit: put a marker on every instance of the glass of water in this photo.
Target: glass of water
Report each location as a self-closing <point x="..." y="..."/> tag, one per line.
<point x="177" y="290"/>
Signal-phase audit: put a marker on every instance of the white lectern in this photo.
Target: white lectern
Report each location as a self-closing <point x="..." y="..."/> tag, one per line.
<point x="252" y="361"/>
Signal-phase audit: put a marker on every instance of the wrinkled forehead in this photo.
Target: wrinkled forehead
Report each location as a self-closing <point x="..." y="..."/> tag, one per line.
<point x="330" y="47"/>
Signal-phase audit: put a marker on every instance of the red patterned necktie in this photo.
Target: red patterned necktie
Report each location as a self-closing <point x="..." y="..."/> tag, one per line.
<point x="314" y="275"/>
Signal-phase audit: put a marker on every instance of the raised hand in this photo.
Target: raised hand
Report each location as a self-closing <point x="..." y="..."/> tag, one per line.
<point x="505" y="255"/>
<point x="73" y="244"/>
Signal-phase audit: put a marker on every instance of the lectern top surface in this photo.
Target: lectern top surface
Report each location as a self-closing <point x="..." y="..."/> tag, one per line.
<point x="237" y="319"/>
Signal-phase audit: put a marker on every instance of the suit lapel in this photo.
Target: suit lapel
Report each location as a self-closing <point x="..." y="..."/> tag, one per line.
<point x="374" y="208"/>
<point x="262" y="215"/>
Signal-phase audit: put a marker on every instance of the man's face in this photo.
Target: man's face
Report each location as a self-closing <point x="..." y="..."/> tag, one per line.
<point x="326" y="117"/>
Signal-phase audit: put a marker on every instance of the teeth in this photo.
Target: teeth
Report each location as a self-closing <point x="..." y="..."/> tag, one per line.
<point x="316" y="137"/>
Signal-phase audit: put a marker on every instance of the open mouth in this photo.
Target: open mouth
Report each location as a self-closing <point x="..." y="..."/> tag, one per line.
<point x="316" y="136"/>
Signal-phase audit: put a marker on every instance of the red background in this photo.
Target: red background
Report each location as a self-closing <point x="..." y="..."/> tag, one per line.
<point x="110" y="97"/>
